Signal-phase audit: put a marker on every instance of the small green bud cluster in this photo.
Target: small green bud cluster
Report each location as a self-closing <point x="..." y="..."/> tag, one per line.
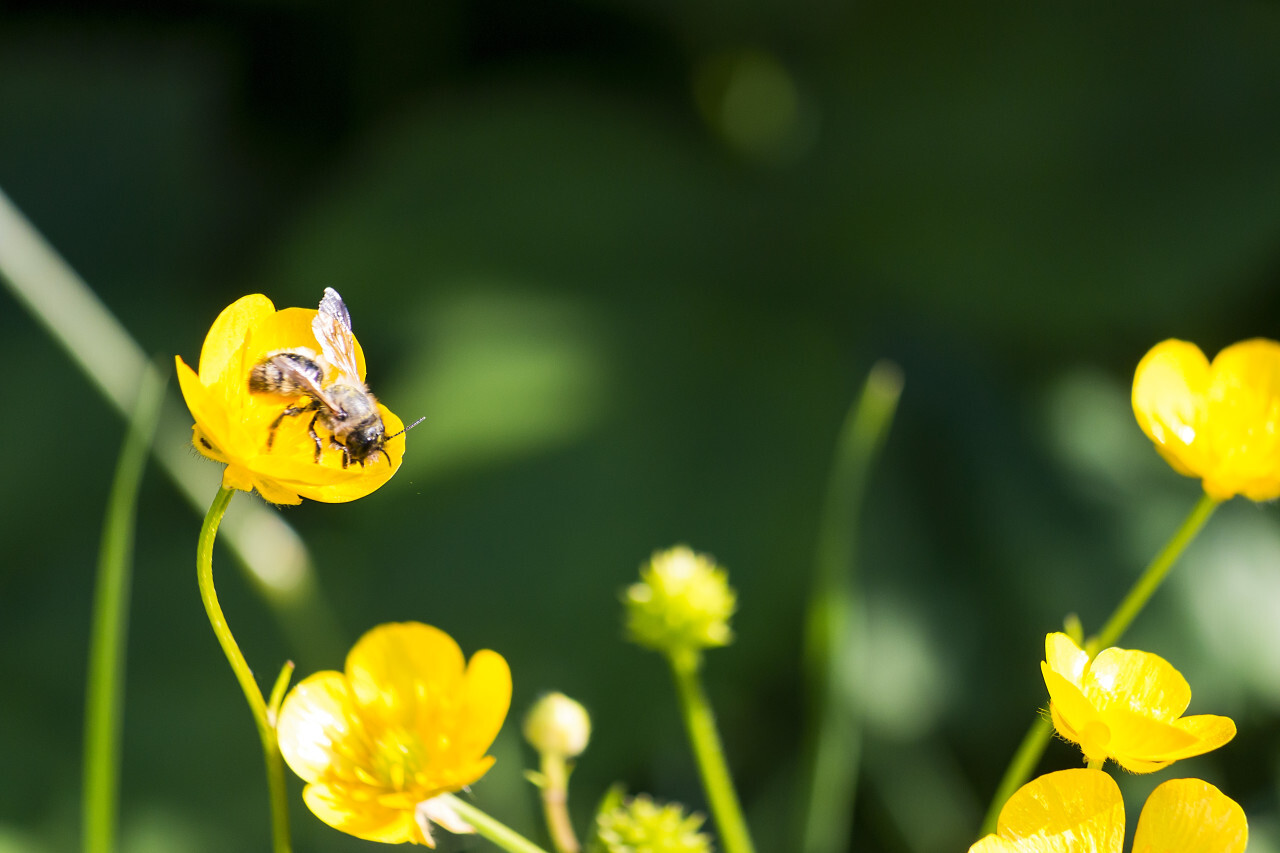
<point x="682" y="603"/>
<point x="642" y="826"/>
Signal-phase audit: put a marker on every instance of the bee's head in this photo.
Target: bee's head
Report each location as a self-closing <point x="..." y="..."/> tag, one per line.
<point x="369" y="440"/>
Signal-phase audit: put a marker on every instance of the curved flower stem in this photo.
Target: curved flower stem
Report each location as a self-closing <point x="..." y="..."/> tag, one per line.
<point x="700" y="722"/>
<point x="499" y="833"/>
<point x="252" y="693"/>
<point x="1150" y="580"/>
<point x="1038" y="736"/>
<point x="105" y="683"/>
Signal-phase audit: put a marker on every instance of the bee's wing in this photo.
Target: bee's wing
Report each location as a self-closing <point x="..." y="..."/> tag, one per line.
<point x="297" y="375"/>
<point x="332" y="328"/>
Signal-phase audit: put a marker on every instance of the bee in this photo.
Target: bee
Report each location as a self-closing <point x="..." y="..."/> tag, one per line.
<point x="330" y="383"/>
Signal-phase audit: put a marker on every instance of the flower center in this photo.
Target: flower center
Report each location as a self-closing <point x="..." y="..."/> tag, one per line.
<point x="398" y="757"/>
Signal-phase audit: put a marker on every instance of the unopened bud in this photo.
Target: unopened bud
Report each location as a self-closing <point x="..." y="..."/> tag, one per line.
<point x="557" y="725"/>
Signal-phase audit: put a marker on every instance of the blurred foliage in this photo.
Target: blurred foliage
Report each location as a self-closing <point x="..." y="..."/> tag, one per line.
<point x="632" y="261"/>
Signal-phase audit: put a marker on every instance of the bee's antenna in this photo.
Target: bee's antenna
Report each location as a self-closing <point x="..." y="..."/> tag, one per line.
<point x="406" y="429"/>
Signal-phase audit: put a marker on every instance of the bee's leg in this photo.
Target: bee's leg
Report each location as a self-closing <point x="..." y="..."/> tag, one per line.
<point x="338" y="445"/>
<point x="311" y="430"/>
<point x="288" y="412"/>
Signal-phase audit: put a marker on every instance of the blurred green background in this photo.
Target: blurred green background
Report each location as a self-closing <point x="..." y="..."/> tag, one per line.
<point x="632" y="262"/>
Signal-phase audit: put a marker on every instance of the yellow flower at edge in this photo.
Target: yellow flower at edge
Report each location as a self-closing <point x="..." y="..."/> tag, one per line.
<point x="1127" y="706"/>
<point x="1219" y="422"/>
<point x="406" y="721"/>
<point x="1081" y="811"/>
<point x="233" y="425"/>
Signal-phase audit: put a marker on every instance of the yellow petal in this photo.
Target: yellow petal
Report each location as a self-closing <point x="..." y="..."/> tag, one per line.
<point x="1244" y="419"/>
<point x="364" y="819"/>
<point x="209" y="415"/>
<point x="1138" y="681"/>
<point x="1072" y="811"/>
<point x="313" y="720"/>
<point x="1210" y="732"/>
<point x="488" y="698"/>
<point x="395" y="668"/>
<point x="1071" y="711"/>
<point x="1064" y="657"/>
<point x="1140" y="744"/>
<point x="1190" y="816"/>
<point x="271" y="491"/>
<point x="226" y="336"/>
<point x="1169" y="389"/>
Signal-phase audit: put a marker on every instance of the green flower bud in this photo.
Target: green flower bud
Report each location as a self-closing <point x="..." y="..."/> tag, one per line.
<point x="642" y="826"/>
<point x="682" y="603"/>
<point x="557" y="725"/>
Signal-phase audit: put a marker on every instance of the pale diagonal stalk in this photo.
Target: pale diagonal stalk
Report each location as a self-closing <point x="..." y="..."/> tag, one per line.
<point x="104" y="691"/>
<point x="485" y="826"/>
<point x="833" y="734"/>
<point x="75" y="318"/>
<point x="1037" y="738"/>
<point x="554" y="792"/>
<point x="700" y="723"/>
<point x="252" y="692"/>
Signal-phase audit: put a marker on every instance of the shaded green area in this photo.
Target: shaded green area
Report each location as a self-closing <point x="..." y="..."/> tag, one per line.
<point x="633" y="261"/>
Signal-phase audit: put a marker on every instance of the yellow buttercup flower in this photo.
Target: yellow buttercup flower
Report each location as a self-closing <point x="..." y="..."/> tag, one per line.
<point x="1081" y="811"/>
<point x="407" y="721"/>
<point x="1127" y="706"/>
<point x="234" y="424"/>
<point x="1219" y="422"/>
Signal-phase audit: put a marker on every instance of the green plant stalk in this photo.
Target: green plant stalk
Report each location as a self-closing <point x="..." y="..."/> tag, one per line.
<point x="252" y="693"/>
<point x="554" y="792"/>
<point x="700" y="723"/>
<point x="1038" y="736"/>
<point x="104" y="688"/>
<point x="1151" y="579"/>
<point x="834" y="733"/>
<point x="485" y="826"/>
<point x="1020" y="769"/>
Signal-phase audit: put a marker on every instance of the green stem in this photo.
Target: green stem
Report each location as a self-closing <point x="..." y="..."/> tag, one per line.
<point x="1038" y="737"/>
<point x="104" y="690"/>
<point x="834" y="731"/>
<point x="499" y="833"/>
<point x="716" y="782"/>
<point x="1150" y="580"/>
<point x="1019" y="769"/>
<point x="252" y="693"/>
<point x="555" y="803"/>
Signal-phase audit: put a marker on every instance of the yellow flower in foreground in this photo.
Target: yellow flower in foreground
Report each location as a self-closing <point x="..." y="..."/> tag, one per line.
<point x="407" y="721"/>
<point x="1127" y="706"/>
<point x="234" y="425"/>
<point x="1080" y="811"/>
<point x="1219" y="422"/>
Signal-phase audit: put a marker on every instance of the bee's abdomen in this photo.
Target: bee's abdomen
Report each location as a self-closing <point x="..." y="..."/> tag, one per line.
<point x="280" y="373"/>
